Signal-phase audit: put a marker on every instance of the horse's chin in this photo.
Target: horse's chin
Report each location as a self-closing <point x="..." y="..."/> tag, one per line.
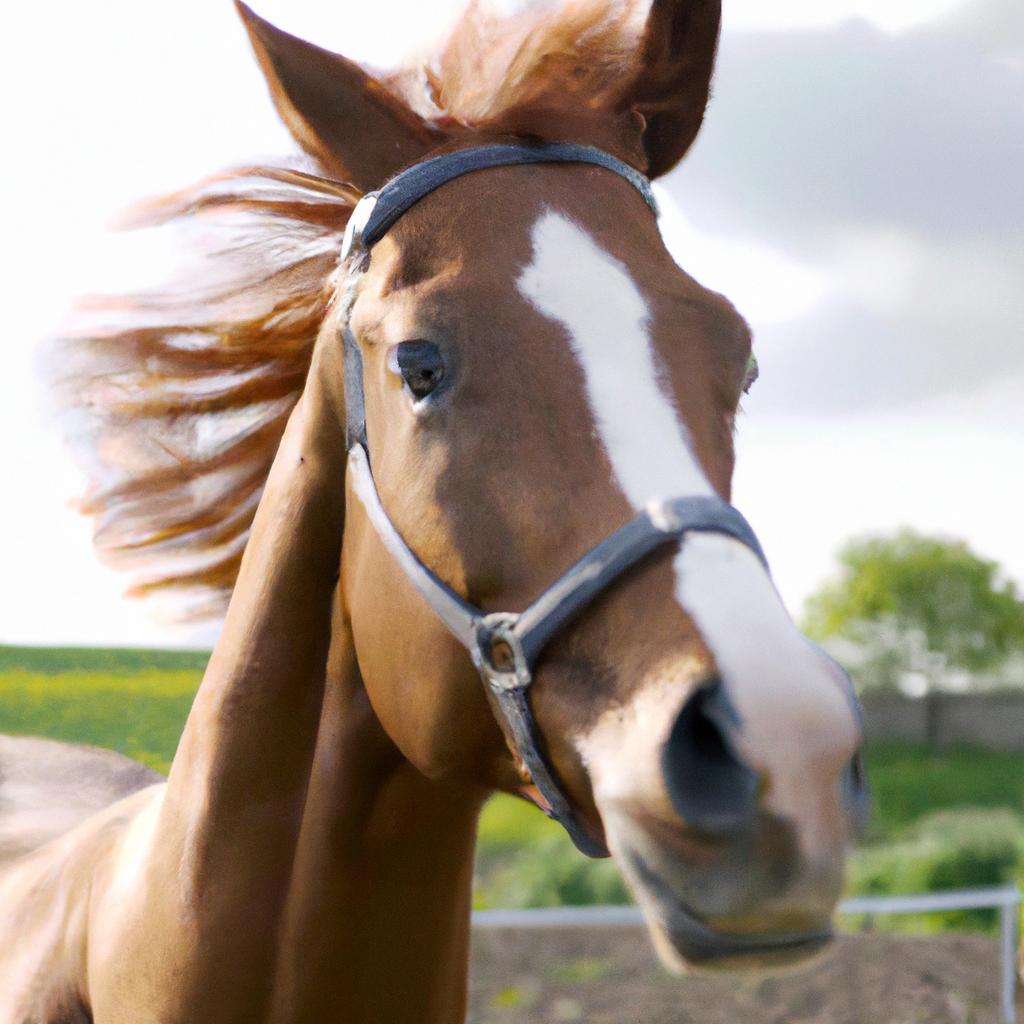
<point x="720" y="910"/>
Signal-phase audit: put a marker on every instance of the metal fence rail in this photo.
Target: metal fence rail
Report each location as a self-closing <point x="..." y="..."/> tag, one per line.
<point x="1006" y="899"/>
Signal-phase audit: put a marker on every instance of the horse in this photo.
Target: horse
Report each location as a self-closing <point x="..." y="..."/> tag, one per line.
<point x="447" y="431"/>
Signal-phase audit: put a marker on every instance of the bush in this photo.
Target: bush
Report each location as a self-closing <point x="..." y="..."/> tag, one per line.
<point x="549" y="874"/>
<point x="524" y="859"/>
<point x="955" y="849"/>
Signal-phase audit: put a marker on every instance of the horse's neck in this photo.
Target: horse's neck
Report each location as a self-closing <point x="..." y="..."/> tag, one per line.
<point x="296" y="860"/>
<point x="377" y="927"/>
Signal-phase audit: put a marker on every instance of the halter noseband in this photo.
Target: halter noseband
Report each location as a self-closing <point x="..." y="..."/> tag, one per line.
<point x="505" y="646"/>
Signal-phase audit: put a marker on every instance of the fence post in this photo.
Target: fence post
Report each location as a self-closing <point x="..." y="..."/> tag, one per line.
<point x="1008" y="915"/>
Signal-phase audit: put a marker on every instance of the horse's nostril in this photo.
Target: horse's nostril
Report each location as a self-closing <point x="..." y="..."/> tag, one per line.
<point x="710" y="788"/>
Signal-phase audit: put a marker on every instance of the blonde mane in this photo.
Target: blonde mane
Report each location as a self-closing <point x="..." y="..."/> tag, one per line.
<point x="174" y="402"/>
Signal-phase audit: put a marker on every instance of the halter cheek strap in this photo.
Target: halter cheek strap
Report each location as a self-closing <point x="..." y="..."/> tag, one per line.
<point x="505" y="646"/>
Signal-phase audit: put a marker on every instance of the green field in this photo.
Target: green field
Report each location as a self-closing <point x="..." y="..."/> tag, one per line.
<point x="132" y="701"/>
<point x="909" y="781"/>
<point x="940" y="818"/>
<point x="115" y="661"/>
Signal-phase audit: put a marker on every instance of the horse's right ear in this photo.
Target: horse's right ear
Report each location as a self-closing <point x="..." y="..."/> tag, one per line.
<point x="346" y="120"/>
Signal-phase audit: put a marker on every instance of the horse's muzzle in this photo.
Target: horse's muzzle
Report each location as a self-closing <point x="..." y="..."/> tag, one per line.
<point x="712" y="789"/>
<point x="727" y="881"/>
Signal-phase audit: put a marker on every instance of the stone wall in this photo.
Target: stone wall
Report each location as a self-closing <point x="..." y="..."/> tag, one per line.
<point x="994" y="721"/>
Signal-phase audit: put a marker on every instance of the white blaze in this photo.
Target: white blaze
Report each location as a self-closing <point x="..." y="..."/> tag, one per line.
<point x="790" y="703"/>
<point x="574" y="281"/>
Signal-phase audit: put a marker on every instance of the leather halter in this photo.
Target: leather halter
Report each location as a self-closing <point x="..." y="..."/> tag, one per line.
<point x="505" y="646"/>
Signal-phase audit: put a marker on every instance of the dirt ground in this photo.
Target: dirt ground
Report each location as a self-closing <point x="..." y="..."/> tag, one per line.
<point x="610" y="976"/>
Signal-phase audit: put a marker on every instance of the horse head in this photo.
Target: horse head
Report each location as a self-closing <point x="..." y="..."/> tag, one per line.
<point x="535" y="372"/>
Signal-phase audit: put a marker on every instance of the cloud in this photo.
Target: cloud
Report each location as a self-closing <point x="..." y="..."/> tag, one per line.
<point x="764" y="283"/>
<point x="995" y="26"/>
<point x="848" y="360"/>
<point x="892" y="15"/>
<point x="891" y="168"/>
<point x="903" y="323"/>
<point x="1000" y="405"/>
<point x="808" y="130"/>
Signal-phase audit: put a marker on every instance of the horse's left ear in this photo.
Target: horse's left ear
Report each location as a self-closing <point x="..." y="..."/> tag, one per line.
<point x="356" y="129"/>
<point x="672" y="84"/>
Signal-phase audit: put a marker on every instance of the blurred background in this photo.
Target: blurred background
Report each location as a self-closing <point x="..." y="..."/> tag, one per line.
<point x="856" y="191"/>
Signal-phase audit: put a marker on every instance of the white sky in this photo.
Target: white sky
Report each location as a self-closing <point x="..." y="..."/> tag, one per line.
<point x="355" y="29"/>
<point x="106" y="102"/>
<point x="775" y="15"/>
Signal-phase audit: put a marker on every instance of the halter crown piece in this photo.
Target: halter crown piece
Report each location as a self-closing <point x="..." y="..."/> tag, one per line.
<point x="505" y="646"/>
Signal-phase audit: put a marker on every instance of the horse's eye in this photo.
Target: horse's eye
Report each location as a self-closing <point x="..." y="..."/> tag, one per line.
<point x="420" y="365"/>
<point x="751" y="373"/>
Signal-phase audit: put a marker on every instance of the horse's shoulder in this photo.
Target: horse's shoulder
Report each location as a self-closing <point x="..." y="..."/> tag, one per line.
<point x="47" y="788"/>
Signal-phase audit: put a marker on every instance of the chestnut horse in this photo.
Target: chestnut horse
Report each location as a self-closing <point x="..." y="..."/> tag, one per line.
<point x="546" y="401"/>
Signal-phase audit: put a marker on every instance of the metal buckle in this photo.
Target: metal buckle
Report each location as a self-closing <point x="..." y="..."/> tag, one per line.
<point x="357" y="222"/>
<point x="499" y="654"/>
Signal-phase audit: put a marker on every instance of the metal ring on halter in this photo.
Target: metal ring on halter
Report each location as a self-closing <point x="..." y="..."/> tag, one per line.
<point x="357" y="223"/>
<point x="505" y="646"/>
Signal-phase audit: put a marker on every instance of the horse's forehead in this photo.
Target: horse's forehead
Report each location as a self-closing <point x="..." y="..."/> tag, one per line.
<point x="483" y="222"/>
<point x="460" y="255"/>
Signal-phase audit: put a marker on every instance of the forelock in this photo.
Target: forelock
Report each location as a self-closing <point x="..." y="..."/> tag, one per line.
<point x="491" y="62"/>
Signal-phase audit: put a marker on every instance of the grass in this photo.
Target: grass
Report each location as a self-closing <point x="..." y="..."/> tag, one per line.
<point x="911" y="780"/>
<point x="137" y="702"/>
<point x="139" y="714"/>
<point x="123" y="661"/>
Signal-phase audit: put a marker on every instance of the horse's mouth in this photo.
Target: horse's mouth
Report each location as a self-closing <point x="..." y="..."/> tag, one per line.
<point x="703" y="947"/>
<point x="759" y="938"/>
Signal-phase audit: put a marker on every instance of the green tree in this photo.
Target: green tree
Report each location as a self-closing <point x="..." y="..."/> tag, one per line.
<point x="962" y="604"/>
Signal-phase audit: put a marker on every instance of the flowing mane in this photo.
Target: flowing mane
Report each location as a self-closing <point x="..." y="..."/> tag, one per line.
<point x="174" y="402"/>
